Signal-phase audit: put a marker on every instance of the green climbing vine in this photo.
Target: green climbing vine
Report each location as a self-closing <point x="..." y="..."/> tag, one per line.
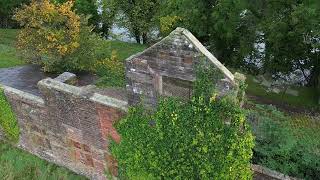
<point x="204" y="138"/>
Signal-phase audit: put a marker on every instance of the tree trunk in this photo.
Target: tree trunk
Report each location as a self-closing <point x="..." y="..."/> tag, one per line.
<point x="137" y="36"/>
<point x="145" y="38"/>
<point x="314" y="80"/>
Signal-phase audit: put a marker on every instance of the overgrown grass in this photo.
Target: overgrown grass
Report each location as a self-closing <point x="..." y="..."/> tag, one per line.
<point x="17" y="164"/>
<point x="289" y="144"/>
<point x="8" y="120"/>
<point x="8" y="54"/>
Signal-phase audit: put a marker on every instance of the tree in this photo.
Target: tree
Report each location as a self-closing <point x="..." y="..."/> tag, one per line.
<point x="7" y="8"/>
<point x="54" y="36"/>
<point x="139" y="16"/>
<point x="228" y="33"/>
<point x="231" y="28"/>
<point x="87" y="8"/>
<point x="108" y="14"/>
<point x="292" y="36"/>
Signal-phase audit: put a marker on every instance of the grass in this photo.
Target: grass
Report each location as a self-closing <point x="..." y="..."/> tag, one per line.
<point x="288" y="144"/>
<point x="8" y="121"/>
<point x="8" y="54"/>
<point x="17" y="164"/>
<point x="307" y="98"/>
<point x="125" y="50"/>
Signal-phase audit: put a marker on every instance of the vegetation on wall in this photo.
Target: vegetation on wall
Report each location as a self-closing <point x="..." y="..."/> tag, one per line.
<point x="8" y="121"/>
<point x="200" y="139"/>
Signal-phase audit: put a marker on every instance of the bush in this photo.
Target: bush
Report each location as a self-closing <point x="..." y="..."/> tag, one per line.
<point x="204" y="138"/>
<point x="54" y="36"/>
<point x="285" y="144"/>
<point x="112" y="71"/>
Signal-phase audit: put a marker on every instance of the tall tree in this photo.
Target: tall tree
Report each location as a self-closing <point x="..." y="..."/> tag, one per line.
<point x="139" y="16"/>
<point x="109" y="11"/>
<point x="223" y="25"/>
<point x="291" y="30"/>
<point x="86" y="7"/>
<point x="7" y="8"/>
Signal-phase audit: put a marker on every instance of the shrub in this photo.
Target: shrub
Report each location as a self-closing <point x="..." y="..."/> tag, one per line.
<point x="285" y="144"/>
<point x="8" y="120"/>
<point x="111" y="70"/>
<point x="54" y="36"/>
<point x="204" y="138"/>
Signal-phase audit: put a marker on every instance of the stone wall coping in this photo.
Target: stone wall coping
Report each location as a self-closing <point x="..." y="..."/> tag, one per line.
<point x="23" y="96"/>
<point x="55" y="84"/>
<point x="109" y="101"/>
<point x="271" y="173"/>
<point x="65" y="77"/>
<point x="207" y="53"/>
<point x="85" y="92"/>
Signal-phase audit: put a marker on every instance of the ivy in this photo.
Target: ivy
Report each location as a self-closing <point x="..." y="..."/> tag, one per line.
<point x="8" y="121"/>
<point x="204" y="138"/>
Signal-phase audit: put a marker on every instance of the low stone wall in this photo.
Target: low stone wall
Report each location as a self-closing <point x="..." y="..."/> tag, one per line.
<point x="68" y="125"/>
<point x="263" y="173"/>
<point x="72" y="127"/>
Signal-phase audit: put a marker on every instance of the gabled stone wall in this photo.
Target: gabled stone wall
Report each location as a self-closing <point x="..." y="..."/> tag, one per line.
<point x="68" y="125"/>
<point x="168" y="69"/>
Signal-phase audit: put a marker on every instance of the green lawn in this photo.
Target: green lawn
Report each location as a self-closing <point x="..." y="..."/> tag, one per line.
<point x="125" y="50"/>
<point x="8" y="54"/>
<point x="19" y="165"/>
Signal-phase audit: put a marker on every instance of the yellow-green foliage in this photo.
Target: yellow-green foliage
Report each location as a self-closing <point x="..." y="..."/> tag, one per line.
<point x="8" y="120"/>
<point x="48" y="29"/>
<point x="112" y="70"/>
<point x="167" y="23"/>
<point x="54" y="36"/>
